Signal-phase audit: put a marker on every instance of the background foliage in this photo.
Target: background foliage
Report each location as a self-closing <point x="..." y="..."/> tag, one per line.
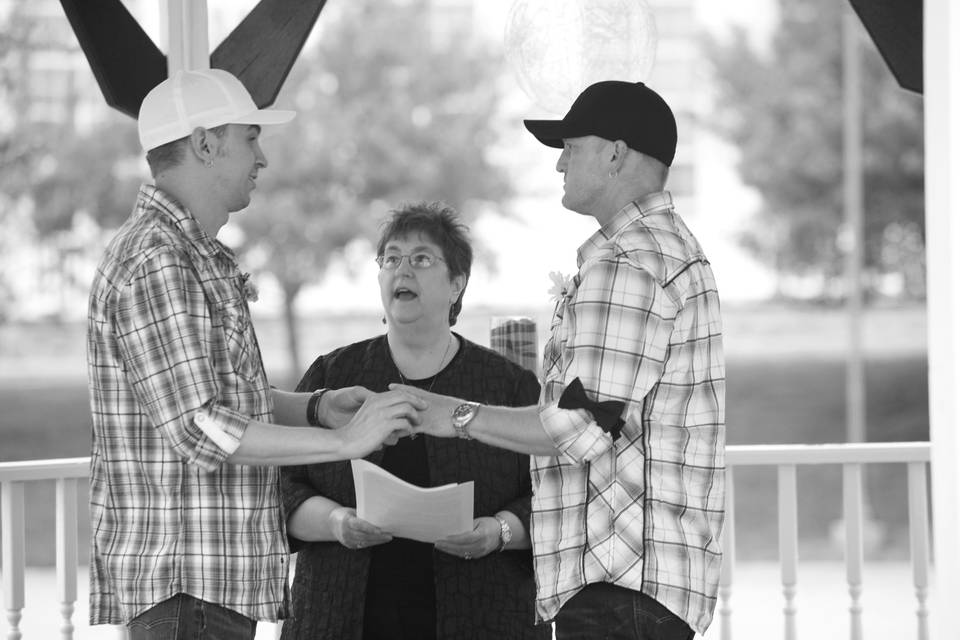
<point x="393" y="107"/>
<point x="390" y="111"/>
<point x="783" y="108"/>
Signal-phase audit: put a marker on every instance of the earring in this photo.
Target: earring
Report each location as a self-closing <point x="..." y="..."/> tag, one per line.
<point x="613" y="174"/>
<point x="383" y="320"/>
<point x="208" y="163"/>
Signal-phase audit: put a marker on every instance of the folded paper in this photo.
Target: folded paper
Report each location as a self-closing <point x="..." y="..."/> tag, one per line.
<point x="408" y="511"/>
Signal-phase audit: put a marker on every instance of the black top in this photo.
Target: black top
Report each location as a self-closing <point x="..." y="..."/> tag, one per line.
<point x="489" y="597"/>
<point x="403" y="565"/>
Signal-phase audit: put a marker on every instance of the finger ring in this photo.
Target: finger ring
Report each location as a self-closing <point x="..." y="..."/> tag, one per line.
<point x="466" y="556"/>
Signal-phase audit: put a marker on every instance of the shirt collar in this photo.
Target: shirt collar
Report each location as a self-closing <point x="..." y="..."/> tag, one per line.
<point x="151" y="197"/>
<point x="633" y="211"/>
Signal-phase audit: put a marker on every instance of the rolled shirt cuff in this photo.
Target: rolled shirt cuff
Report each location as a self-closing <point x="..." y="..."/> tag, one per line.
<point x="574" y="433"/>
<point x="224" y="429"/>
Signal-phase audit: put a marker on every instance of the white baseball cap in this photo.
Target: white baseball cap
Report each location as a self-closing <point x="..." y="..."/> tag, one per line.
<point x="199" y="98"/>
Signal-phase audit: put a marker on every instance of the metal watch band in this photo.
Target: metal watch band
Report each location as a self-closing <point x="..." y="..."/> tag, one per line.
<point x="505" y="533"/>
<point x="462" y="416"/>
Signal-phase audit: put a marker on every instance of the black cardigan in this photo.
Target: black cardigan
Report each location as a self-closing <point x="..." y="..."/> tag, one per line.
<point x="486" y="598"/>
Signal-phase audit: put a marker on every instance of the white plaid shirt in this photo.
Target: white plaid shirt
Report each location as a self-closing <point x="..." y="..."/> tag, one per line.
<point x="175" y="377"/>
<point x="641" y="325"/>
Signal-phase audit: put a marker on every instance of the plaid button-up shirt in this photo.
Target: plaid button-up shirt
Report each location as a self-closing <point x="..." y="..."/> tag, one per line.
<point x="640" y="324"/>
<point x="175" y="377"/>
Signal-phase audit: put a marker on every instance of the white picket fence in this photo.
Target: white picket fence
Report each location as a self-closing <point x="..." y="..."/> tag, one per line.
<point x="67" y="473"/>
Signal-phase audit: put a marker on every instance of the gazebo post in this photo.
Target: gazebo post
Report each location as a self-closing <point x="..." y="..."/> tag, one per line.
<point x="941" y="82"/>
<point x="183" y="26"/>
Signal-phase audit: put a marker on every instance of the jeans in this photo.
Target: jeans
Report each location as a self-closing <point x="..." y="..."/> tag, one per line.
<point x="184" y="617"/>
<point x="608" y="612"/>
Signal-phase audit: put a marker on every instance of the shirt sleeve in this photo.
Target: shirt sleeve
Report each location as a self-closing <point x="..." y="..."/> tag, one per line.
<point x="163" y="328"/>
<point x="619" y="322"/>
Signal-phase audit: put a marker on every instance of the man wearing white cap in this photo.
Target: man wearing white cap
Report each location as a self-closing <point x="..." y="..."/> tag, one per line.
<point x="188" y="535"/>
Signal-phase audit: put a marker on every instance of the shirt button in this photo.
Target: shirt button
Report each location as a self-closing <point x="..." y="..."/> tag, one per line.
<point x="200" y="418"/>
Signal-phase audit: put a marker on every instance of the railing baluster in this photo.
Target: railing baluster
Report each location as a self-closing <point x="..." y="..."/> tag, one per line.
<point x="12" y="521"/>
<point x="67" y="553"/>
<point x="786" y="458"/>
<point x="919" y="541"/>
<point x="729" y="559"/>
<point x="789" y="548"/>
<point x="853" y="543"/>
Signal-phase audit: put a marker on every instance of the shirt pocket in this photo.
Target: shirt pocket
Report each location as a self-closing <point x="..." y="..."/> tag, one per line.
<point x="240" y="344"/>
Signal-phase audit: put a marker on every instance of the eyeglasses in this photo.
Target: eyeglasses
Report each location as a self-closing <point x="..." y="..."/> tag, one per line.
<point x="418" y="260"/>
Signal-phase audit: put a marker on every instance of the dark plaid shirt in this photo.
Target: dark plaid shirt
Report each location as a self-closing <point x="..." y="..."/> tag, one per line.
<point x="640" y="323"/>
<point x="175" y="377"/>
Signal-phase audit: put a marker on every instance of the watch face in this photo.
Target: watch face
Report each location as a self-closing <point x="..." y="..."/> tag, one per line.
<point x="463" y="411"/>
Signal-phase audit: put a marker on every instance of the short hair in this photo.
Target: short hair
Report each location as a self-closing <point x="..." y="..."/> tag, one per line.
<point x="171" y="154"/>
<point x="440" y="223"/>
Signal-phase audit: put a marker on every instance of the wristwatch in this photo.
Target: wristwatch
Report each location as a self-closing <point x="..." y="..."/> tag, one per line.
<point x="462" y="416"/>
<point x="506" y="535"/>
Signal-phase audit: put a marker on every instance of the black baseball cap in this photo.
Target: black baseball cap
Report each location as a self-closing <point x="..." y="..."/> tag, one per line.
<point x="615" y="110"/>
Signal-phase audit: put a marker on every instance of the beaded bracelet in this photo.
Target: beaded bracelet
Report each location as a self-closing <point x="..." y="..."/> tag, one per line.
<point x="313" y="408"/>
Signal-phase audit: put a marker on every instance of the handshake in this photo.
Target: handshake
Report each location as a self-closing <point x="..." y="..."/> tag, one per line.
<point x="365" y="420"/>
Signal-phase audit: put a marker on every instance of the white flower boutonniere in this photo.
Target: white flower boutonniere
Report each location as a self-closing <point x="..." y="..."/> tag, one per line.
<point x="249" y="289"/>
<point x="562" y="286"/>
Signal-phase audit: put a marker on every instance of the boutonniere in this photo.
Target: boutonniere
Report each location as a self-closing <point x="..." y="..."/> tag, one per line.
<point x="562" y="286"/>
<point x="248" y="288"/>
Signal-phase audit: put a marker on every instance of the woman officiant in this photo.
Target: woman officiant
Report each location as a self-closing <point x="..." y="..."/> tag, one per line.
<point x="354" y="580"/>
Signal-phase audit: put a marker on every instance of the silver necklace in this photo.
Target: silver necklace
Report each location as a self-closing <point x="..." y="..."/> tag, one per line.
<point x="439" y="369"/>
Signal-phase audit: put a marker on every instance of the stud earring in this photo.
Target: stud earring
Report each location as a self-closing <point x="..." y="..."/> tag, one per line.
<point x="613" y="174"/>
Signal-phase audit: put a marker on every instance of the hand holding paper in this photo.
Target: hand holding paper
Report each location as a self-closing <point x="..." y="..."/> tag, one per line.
<point x="353" y="532"/>
<point x="408" y="511"/>
<point x="480" y="541"/>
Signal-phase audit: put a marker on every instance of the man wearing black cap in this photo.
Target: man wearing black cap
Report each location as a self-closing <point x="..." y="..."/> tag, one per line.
<point x="628" y="438"/>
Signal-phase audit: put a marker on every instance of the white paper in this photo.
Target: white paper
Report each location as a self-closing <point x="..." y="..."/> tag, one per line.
<point x="407" y="511"/>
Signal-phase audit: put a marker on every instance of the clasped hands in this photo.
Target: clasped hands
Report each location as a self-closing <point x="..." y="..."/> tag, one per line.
<point x="355" y="533"/>
<point x="367" y="420"/>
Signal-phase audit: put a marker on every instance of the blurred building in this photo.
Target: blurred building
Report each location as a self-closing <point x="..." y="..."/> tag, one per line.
<point x="47" y="89"/>
<point x="674" y="77"/>
<point x="673" y="74"/>
<point x="47" y="78"/>
<point x="48" y="84"/>
<point x="706" y="187"/>
<point x="48" y="93"/>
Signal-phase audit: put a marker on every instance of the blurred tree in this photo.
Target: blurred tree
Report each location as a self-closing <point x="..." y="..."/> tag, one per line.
<point x="17" y="39"/>
<point x="53" y="168"/>
<point x="22" y="144"/>
<point x="783" y="108"/>
<point x="394" y="106"/>
<point x="98" y="172"/>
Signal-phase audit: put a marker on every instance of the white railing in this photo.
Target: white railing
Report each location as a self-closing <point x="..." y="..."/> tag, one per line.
<point x="852" y="458"/>
<point x="786" y="458"/>
<point x="13" y="476"/>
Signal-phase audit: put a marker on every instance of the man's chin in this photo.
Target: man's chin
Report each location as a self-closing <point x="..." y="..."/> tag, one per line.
<point x="240" y="206"/>
<point x="569" y="204"/>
